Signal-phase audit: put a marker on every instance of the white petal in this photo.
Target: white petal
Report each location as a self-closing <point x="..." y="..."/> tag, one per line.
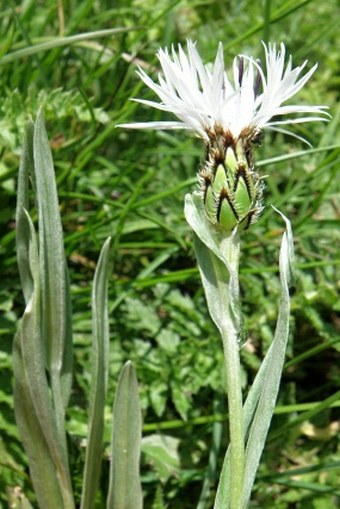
<point x="289" y="133"/>
<point x="202" y="97"/>
<point x="154" y="125"/>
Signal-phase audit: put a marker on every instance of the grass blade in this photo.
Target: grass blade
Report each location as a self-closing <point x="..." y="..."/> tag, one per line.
<point x="57" y="42"/>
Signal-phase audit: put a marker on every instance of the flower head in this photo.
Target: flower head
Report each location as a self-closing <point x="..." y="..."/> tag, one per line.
<point x="230" y="115"/>
<point x="204" y="99"/>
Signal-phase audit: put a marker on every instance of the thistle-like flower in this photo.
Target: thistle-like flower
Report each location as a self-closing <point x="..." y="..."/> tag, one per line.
<point x="230" y="115"/>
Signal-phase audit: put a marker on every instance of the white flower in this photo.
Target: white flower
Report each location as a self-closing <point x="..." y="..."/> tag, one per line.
<point x="207" y="102"/>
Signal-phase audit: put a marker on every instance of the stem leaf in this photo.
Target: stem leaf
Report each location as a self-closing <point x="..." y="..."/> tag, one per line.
<point x="217" y="257"/>
<point x="263" y="394"/>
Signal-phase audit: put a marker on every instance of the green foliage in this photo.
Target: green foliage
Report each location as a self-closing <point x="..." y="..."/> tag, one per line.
<point x="58" y="105"/>
<point x="42" y="351"/>
<point x="42" y="354"/>
<point x="125" y="488"/>
<point x="162" y="452"/>
<point x="131" y="185"/>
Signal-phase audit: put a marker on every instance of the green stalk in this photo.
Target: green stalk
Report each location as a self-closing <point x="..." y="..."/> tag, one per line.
<point x="237" y="453"/>
<point x="230" y="333"/>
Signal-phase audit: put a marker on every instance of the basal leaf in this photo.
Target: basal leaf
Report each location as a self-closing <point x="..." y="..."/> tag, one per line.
<point x="125" y="490"/>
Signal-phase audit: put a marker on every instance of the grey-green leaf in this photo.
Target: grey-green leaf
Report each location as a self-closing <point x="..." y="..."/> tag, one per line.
<point x="125" y="490"/>
<point x="30" y="388"/>
<point x="217" y="257"/>
<point x="40" y="423"/>
<point x="272" y="370"/>
<point x="22" y="226"/>
<point x="56" y="312"/>
<point x="33" y="409"/>
<point x="99" y="361"/>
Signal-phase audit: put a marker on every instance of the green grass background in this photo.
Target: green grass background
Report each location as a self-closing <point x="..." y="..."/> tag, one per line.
<point x="131" y="185"/>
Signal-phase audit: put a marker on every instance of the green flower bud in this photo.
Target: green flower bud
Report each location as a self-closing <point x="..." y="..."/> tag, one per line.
<point x="231" y="189"/>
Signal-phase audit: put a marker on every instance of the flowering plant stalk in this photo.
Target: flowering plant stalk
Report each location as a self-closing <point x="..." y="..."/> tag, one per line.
<point x="230" y="115"/>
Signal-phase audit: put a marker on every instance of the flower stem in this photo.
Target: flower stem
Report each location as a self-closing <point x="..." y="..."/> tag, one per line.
<point x="231" y="331"/>
<point x="236" y="430"/>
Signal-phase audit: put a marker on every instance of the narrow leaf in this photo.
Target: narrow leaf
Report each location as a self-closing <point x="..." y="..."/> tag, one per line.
<point x="265" y="386"/>
<point x="36" y="413"/>
<point x="99" y="361"/>
<point x="30" y="388"/>
<point x="217" y="257"/>
<point x="271" y="383"/>
<point x="223" y="489"/>
<point x="22" y="226"/>
<point x="42" y="468"/>
<point x="56" y="311"/>
<point x="56" y="42"/>
<point x="197" y="219"/>
<point x="213" y="275"/>
<point x="125" y="490"/>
